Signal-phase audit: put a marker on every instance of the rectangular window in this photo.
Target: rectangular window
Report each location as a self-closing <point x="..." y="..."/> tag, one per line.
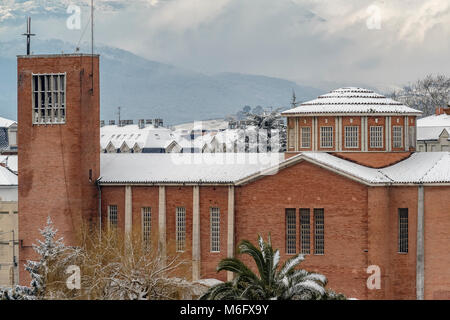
<point x="146" y="224"/>
<point x="112" y="216"/>
<point x="351" y="137"/>
<point x="376" y="137"/>
<point x="319" y="231"/>
<point x="397" y="137"/>
<point x="291" y="138"/>
<point x="326" y="137"/>
<point x="305" y="231"/>
<point x="403" y="230"/>
<point x="215" y="229"/>
<point x="412" y="137"/>
<point x="49" y="98"/>
<point x="291" y="231"/>
<point x="306" y="137"/>
<point x="180" y="229"/>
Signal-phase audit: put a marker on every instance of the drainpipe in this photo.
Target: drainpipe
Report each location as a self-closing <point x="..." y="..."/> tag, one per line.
<point x="420" y="263"/>
<point x="97" y="183"/>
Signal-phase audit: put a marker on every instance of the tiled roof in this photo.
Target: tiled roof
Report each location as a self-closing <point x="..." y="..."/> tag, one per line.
<point x="352" y="101"/>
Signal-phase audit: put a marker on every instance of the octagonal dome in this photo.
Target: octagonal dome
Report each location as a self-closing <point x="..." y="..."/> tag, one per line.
<point x="352" y="100"/>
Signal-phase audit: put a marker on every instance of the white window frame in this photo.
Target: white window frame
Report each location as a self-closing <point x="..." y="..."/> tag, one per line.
<point x="45" y="110"/>
<point x="146" y="213"/>
<point x="326" y="137"/>
<point x="291" y="138"/>
<point x="397" y="140"/>
<point x="180" y="228"/>
<point x="351" y="137"/>
<point x="376" y="137"/>
<point x="215" y="229"/>
<point x="305" y="141"/>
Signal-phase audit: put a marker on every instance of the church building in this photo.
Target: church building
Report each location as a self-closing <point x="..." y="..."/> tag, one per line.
<point x="350" y="193"/>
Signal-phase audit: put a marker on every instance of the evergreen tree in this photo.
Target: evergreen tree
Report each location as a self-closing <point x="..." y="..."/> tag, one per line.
<point x="48" y="250"/>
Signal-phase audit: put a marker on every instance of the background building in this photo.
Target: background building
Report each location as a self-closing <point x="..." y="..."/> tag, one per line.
<point x="433" y="132"/>
<point x="9" y="245"/>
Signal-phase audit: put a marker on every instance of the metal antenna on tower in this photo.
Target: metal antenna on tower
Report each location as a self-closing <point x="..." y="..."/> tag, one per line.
<point x="92" y="45"/>
<point x="29" y="35"/>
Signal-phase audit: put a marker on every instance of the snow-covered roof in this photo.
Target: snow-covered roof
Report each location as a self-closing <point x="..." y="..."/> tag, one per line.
<point x="10" y="162"/>
<point x="442" y="120"/>
<point x="148" y="137"/>
<point x="430" y="128"/>
<point x="7" y="177"/>
<point x="352" y="100"/>
<point x="208" y="125"/>
<point x="431" y="133"/>
<point x="6" y="123"/>
<point x="212" y="168"/>
<point x="237" y="168"/>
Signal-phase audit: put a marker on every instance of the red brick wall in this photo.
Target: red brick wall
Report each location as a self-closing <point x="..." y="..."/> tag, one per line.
<point x="213" y="197"/>
<point x="394" y="123"/>
<point x="54" y="160"/>
<point x="355" y="121"/>
<point x="114" y="196"/>
<point x="179" y="197"/>
<point x="437" y="239"/>
<point x="374" y="159"/>
<point x="402" y="275"/>
<point x="260" y="209"/>
<point x="305" y="122"/>
<point x="376" y="121"/>
<point x="379" y="238"/>
<point x="326" y="122"/>
<point x="145" y="197"/>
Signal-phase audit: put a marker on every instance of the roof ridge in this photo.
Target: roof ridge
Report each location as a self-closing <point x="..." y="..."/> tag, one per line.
<point x="433" y="166"/>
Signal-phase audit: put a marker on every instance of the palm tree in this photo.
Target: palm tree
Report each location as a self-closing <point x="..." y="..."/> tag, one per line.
<point x="287" y="283"/>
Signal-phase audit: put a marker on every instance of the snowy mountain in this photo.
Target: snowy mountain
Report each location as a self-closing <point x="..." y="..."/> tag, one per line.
<point x="149" y="89"/>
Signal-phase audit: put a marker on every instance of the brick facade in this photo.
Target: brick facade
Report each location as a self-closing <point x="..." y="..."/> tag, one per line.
<point x="55" y="160"/>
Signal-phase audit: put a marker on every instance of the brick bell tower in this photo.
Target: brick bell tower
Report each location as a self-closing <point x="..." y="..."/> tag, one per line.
<point x="59" y="143"/>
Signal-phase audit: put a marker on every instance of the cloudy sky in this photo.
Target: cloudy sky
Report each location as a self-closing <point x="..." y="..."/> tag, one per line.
<point x="321" y="43"/>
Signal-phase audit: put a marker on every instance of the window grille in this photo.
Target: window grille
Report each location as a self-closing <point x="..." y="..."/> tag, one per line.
<point x="291" y="231"/>
<point x="403" y="230"/>
<point x="351" y="137"/>
<point x="146" y="224"/>
<point x="319" y="231"/>
<point x="215" y="229"/>
<point x="49" y="98"/>
<point x="397" y="137"/>
<point x="112" y="216"/>
<point x="180" y="229"/>
<point x="376" y="137"/>
<point x="306" y="137"/>
<point x="326" y="137"/>
<point x="305" y="231"/>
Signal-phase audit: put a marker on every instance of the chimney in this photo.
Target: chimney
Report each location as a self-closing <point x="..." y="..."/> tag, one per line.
<point x="112" y="122"/>
<point x="141" y="123"/>
<point x="440" y="111"/>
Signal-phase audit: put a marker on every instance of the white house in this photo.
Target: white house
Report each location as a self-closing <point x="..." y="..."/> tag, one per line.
<point x="433" y="132"/>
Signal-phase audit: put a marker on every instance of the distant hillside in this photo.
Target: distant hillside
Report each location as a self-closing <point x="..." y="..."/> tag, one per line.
<point x="149" y="89"/>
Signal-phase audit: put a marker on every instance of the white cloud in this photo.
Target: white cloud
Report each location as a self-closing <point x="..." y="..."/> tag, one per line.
<point x="312" y="41"/>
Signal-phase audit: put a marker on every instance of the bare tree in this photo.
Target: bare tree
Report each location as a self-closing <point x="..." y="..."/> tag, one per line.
<point x="425" y="94"/>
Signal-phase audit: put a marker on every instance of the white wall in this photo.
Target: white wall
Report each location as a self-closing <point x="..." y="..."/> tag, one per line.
<point x="8" y="193"/>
